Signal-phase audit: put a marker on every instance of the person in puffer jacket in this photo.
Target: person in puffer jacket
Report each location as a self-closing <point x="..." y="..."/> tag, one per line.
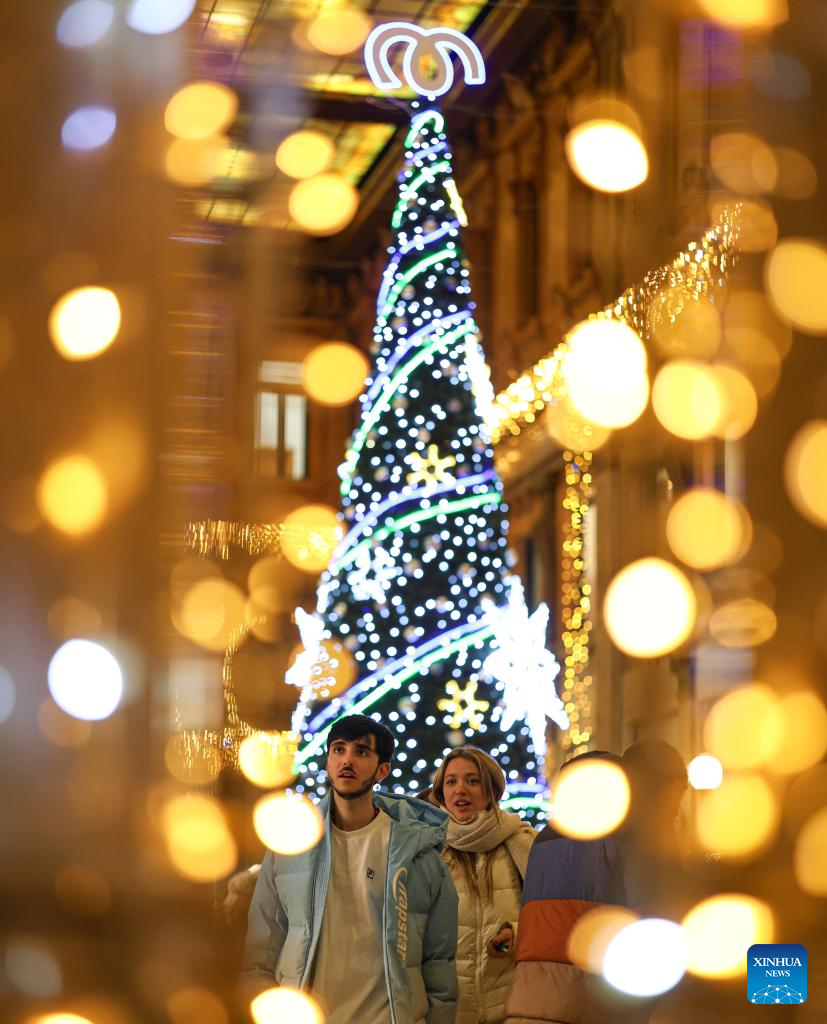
<point x="486" y="851"/>
<point x="367" y="919"/>
<point x="566" y="878"/>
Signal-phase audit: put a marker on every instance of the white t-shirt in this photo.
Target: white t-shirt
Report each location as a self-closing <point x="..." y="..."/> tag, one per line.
<point x="349" y="969"/>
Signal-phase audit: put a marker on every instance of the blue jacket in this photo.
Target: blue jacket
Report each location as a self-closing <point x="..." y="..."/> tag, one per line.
<point x="420" y="920"/>
<point x="565" y="879"/>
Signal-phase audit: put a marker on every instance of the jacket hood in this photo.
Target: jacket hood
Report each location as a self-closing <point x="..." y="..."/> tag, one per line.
<point x="424" y="824"/>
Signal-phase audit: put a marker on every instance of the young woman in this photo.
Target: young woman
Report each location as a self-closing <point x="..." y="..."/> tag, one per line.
<point x="486" y="852"/>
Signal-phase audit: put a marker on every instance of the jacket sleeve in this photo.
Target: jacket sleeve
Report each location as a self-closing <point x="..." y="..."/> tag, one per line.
<point x="439" y="950"/>
<point x="266" y="931"/>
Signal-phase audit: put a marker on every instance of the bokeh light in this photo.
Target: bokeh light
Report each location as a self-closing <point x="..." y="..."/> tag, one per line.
<point x="60" y="1018"/>
<point x="334" y="671"/>
<point x="744" y="622"/>
<point x="752" y="312"/>
<point x="721" y="929"/>
<point x="760" y="15"/>
<point x="589" y="800"/>
<point x="211" y="613"/>
<point x="88" y="128"/>
<point x="758" y="225"/>
<point x="650" y="608"/>
<point x="84" y="322"/>
<point x="757" y="356"/>
<point x="686" y="399"/>
<point x="266" y="585"/>
<point x="200" y="109"/>
<point x="85" y="680"/>
<point x="195" y="162"/>
<point x="32" y="969"/>
<point x="282" y="1004"/>
<point x="157" y="17"/>
<point x="739" y="818"/>
<point x="266" y="758"/>
<point x="607" y="155"/>
<point x="797" y="176"/>
<point x="334" y="373"/>
<point x="706" y="529"/>
<point x="8" y="694"/>
<point x="72" y="495"/>
<point x="804" y="471"/>
<point x="739" y="402"/>
<point x="810" y="859"/>
<point x="323" y="204"/>
<point x="743" y="162"/>
<point x="304" y="154"/>
<point x="705" y="772"/>
<point x="198" y="840"/>
<point x="742" y="728"/>
<point x="309" y="536"/>
<point x="198" y="765"/>
<point x="85" y="23"/>
<point x="647" y="957"/>
<point x="695" y="333"/>
<point x="196" y="1006"/>
<point x="590" y="937"/>
<point x="72" y="616"/>
<point x="780" y="76"/>
<point x="571" y="431"/>
<point x="605" y="372"/>
<point x="287" y="822"/>
<point x="61" y="729"/>
<point x="339" y="30"/>
<point x="795" y="275"/>
<point x="802" y="725"/>
<point x="82" y="889"/>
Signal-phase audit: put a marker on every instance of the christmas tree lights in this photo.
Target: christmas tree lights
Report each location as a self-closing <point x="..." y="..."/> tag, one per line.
<point x="419" y="590"/>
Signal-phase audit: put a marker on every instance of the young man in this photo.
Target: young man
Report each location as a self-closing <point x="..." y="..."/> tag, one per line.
<point x="367" y="920"/>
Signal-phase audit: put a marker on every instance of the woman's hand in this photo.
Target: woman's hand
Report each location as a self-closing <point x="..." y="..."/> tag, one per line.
<point x="502" y="945"/>
<point x="239" y="896"/>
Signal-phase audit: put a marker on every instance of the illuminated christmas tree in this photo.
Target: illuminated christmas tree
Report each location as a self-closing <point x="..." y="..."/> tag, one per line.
<point x="419" y="591"/>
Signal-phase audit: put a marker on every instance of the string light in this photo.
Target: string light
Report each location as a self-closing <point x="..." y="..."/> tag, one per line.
<point x="575" y="602"/>
<point x="660" y="297"/>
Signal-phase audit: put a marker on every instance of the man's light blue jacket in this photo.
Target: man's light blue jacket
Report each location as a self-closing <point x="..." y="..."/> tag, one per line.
<point x="420" y="917"/>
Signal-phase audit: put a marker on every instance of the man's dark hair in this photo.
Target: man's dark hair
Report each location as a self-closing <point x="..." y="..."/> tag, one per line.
<point x="603" y="755"/>
<point x="655" y="764"/>
<point x="353" y="727"/>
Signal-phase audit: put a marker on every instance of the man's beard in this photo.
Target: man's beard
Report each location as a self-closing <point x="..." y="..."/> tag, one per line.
<point x="356" y="793"/>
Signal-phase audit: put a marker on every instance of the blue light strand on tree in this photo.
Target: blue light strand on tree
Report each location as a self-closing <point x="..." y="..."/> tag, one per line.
<point x="419" y="590"/>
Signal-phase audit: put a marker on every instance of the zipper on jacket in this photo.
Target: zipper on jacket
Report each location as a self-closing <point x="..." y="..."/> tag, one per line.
<point x="314" y="931"/>
<point x="479" y="916"/>
<point x="388" y="884"/>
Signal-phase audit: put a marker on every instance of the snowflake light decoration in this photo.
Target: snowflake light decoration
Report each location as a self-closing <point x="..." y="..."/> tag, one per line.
<point x="523" y="665"/>
<point x="430" y="470"/>
<point x="462" y="705"/>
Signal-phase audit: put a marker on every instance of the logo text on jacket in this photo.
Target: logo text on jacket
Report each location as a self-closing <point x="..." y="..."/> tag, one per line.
<point x="400" y="897"/>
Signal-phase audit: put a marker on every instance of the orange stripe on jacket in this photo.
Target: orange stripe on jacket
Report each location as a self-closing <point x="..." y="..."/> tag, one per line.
<point x="545" y="926"/>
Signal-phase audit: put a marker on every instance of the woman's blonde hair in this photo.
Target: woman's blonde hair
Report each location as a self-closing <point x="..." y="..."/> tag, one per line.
<point x="492" y="779"/>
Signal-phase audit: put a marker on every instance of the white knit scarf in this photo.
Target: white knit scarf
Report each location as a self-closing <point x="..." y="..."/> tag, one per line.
<point x="486" y="832"/>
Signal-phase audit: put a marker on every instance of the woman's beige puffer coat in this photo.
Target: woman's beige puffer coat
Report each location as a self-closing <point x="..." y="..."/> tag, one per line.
<point x="506" y="840"/>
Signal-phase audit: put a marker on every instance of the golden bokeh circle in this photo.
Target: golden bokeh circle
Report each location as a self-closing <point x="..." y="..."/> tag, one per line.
<point x="334" y="373"/>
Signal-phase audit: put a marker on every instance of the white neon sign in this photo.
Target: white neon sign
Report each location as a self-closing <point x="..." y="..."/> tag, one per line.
<point x="436" y="43"/>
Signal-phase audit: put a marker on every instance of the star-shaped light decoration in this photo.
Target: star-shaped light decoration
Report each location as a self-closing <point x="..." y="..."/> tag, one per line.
<point x="431" y="470"/>
<point x="462" y="705"/>
<point x="374" y="571"/>
<point x="524" y="666"/>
